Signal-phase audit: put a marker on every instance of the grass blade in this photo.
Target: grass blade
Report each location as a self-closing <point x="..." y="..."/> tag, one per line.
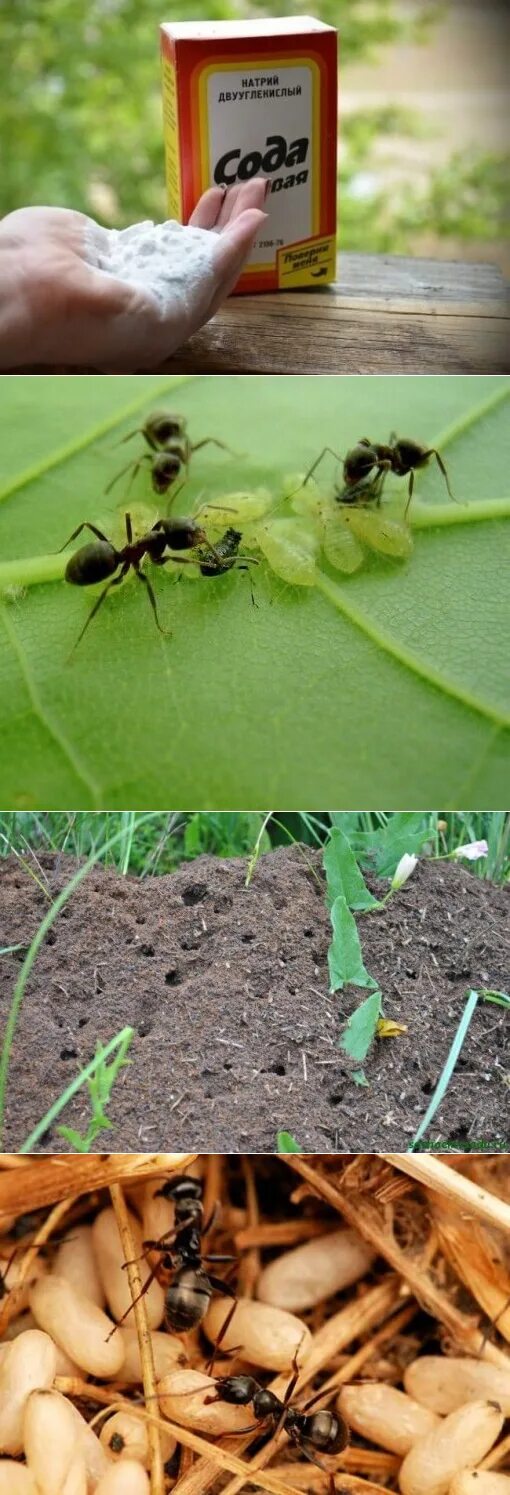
<point x="445" y="1076"/>
<point x="122" y="1042"/>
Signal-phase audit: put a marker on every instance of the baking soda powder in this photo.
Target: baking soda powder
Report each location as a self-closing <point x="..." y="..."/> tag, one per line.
<point x="170" y="262"/>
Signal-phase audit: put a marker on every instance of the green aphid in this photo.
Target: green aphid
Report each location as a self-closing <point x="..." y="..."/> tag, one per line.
<point x="291" y="548"/>
<point x="380" y="533"/>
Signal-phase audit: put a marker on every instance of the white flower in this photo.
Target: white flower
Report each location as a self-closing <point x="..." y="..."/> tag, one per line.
<point x="471" y="851"/>
<point x="406" y="865"/>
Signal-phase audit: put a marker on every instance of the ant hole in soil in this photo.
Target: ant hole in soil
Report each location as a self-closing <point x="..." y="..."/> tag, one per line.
<point x="247" y="938"/>
<point x="147" y="950"/>
<point x="50" y="938"/>
<point x="308" y="934"/>
<point x="68" y="1053"/>
<point x="427" y="1088"/>
<point x="140" y="919"/>
<point x="335" y="1100"/>
<point x="82" y="1022"/>
<point x="144" y="1029"/>
<point x="194" y="893"/>
<point x="172" y="977"/>
<point x="277" y="1069"/>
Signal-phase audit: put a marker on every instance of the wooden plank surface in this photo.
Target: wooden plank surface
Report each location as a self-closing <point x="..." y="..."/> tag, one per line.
<point x="385" y="314"/>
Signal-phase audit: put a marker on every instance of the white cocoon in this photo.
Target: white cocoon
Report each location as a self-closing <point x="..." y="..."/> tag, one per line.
<point x="386" y="1416"/>
<point x="268" y="1336"/>
<point x="444" y="1382"/>
<point x="300" y="1278"/>
<point x="460" y="1441"/>
<point x="77" y="1325"/>
<point x="76" y="1262"/>
<point x="28" y="1365"/>
<point x="126" y="1478"/>
<point x="49" y="1437"/>
<point x="110" y="1261"/>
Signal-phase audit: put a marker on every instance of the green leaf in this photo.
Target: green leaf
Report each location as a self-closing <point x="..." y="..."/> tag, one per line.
<point x="382" y="848"/>
<point x="394" y="679"/>
<point x="285" y="1142"/>
<point x="345" y="961"/>
<point x="361" y="1028"/>
<point x="343" y="876"/>
<point x="359" y="1077"/>
<point x="501" y="998"/>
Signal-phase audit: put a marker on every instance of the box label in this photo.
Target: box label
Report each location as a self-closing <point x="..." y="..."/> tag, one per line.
<point x="260" y="122"/>
<point x="307" y="264"/>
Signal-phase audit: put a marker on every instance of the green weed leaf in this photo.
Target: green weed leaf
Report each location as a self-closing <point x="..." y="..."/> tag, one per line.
<point x="285" y="1142"/>
<point x="343" y="875"/>
<point x="382" y="848"/>
<point x="361" y="1028"/>
<point x="345" y="961"/>
<point x="386" y="687"/>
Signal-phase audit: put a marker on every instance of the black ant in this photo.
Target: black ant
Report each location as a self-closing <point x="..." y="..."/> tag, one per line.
<point x="170" y="450"/>
<point x="323" y="1431"/>
<point x="180" y="1269"/>
<point x="401" y="456"/>
<point x="100" y="559"/>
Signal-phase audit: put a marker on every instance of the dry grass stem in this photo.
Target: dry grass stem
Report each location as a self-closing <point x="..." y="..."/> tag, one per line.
<point x="470" y="1198"/>
<point x="157" y="1476"/>
<point x="46" y="1179"/>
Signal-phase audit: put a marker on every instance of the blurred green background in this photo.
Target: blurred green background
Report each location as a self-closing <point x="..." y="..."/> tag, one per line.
<point x="423" y="160"/>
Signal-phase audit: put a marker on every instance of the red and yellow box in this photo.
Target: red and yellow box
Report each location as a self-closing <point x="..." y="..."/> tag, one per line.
<point x="258" y="98"/>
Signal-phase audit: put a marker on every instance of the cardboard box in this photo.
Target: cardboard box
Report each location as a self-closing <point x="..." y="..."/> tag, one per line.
<point x="258" y="98"/>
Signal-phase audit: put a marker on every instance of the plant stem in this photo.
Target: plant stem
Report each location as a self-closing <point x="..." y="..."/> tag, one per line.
<point x="32" y="569"/>
<point x="32" y="952"/>
<point x="431" y="516"/>
<point x="121" y="1041"/>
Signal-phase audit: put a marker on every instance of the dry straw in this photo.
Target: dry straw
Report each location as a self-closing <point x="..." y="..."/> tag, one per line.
<point x="439" y="1236"/>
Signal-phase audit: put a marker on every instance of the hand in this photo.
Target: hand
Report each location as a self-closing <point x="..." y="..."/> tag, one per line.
<point x="57" y="308"/>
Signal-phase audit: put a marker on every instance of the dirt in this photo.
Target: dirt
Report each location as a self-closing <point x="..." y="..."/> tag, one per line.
<point x="236" y="1033"/>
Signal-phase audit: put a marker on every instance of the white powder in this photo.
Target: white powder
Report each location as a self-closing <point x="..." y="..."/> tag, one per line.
<point x="170" y="261"/>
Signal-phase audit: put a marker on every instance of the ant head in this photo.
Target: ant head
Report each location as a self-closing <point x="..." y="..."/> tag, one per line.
<point x="180" y="1187"/>
<point x="239" y="1390"/>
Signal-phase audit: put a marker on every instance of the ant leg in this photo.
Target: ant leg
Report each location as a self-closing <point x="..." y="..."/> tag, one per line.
<point x="226" y="1292"/>
<point x="94" y="530"/>
<point x="142" y="577"/>
<point x="384" y="469"/>
<point x="139" y="431"/>
<point x="134" y="466"/>
<point x="315" y="464"/>
<point x="241" y="567"/>
<point x="145" y="1289"/>
<point x="173" y="497"/>
<point x="219" y="1258"/>
<point x="213" y="441"/>
<point x="129" y="529"/>
<point x="434" y="453"/>
<point x="95" y="609"/>
<point x="410" y="492"/>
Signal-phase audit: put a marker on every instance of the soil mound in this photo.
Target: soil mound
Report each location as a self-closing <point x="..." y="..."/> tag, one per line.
<point x="236" y="1031"/>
